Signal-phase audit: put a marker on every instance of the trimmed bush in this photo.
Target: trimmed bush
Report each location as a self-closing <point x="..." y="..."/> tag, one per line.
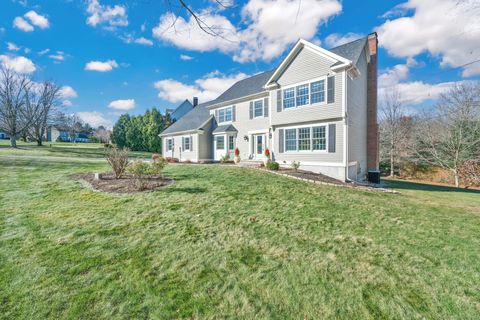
<point x="272" y="165"/>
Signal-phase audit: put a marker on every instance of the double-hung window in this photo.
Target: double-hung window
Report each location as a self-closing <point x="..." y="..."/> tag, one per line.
<point x="306" y="139"/>
<point x="225" y="115"/>
<point x="305" y="94"/>
<point x="317" y="91"/>
<point x="289" y="98"/>
<point x="231" y="142"/>
<point x="186" y="143"/>
<point x="291" y="140"/>
<point x="319" y="138"/>
<point x="169" y="144"/>
<point x="303" y="139"/>
<point x="220" y="142"/>
<point x="302" y="95"/>
<point x="258" y="109"/>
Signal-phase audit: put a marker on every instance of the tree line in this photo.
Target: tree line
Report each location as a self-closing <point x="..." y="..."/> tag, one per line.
<point x="140" y="133"/>
<point x="446" y="136"/>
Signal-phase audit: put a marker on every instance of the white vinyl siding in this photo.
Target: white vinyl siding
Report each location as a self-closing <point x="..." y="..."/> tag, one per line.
<point x="307" y="68"/>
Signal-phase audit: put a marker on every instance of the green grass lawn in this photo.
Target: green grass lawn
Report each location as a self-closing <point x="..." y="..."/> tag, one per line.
<point x="60" y="149"/>
<point x="226" y="242"/>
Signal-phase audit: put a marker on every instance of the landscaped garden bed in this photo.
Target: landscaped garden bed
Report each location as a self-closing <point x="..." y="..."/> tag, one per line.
<point x="125" y="184"/>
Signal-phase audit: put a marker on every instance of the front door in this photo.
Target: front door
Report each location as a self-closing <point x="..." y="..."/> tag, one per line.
<point x="259" y="145"/>
<point x="219" y="147"/>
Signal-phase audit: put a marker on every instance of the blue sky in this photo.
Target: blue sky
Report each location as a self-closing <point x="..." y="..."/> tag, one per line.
<point x="124" y="56"/>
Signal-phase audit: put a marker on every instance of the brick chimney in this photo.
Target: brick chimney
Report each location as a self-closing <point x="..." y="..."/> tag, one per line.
<point x="195" y="101"/>
<point x="372" y="124"/>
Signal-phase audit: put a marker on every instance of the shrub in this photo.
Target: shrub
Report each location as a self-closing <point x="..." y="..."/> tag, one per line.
<point x="267" y="153"/>
<point x="225" y="158"/>
<point x="118" y="160"/>
<point x="172" y="160"/>
<point x="470" y="173"/>
<point x="295" y="165"/>
<point x="237" y="152"/>
<point x="272" y="165"/>
<point x="158" y="164"/>
<point x="140" y="171"/>
<point x="108" y="145"/>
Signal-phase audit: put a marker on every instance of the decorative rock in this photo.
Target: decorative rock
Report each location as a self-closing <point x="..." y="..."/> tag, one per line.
<point x="98" y="176"/>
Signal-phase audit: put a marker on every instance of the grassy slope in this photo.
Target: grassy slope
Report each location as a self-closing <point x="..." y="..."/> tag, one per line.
<point x="193" y="250"/>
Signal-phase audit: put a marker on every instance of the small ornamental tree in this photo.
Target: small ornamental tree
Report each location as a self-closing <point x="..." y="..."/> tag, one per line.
<point x="117" y="159"/>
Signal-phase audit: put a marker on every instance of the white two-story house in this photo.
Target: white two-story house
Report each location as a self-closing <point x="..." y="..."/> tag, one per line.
<point x="318" y="107"/>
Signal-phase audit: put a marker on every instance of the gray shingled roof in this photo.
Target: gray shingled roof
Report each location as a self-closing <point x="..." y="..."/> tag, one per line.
<point x="225" y="128"/>
<point x="192" y="120"/>
<point x="245" y="87"/>
<point x="351" y="50"/>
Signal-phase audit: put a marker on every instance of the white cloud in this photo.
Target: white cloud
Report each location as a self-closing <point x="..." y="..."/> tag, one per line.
<point x="207" y="88"/>
<point x="58" y="57"/>
<point x="67" y="92"/>
<point x="67" y="103"/>
<point x="270" y="28"/>
<point x="22" y="24"/>
<point x="101" y="66"/>
<point x="185" y="57"/>
<point x="95" y="119"/>
<point x="122" y="104"/>
<point x="144" y="41"/>
<point x="109" y="16"/>
<point x="45" y="51"/>
<point x="37" y="20"/>
<point x="336" y="39"/>
<point x="448" y="29"/>
<point x="20" y="64"/>
<point x="411" y="92"/>
<point x="12" y="46"/>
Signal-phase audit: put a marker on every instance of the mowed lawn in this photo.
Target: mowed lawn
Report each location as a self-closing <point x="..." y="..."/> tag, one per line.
<point x="225" y="242"/>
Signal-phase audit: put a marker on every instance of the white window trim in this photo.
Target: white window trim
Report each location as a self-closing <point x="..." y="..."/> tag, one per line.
<point x="224" y="108"/>
<point x="263" y="109"/>
<point x="189" y="145"/>
<point x="311" y="151"/>
<point x="309" y="104"/>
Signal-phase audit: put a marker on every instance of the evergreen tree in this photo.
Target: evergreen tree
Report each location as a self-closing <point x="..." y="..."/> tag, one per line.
<point x="119" y="133"/>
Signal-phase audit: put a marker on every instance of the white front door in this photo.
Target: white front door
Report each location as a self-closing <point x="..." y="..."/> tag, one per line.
<point x="219" y="146"/>
<point x="259" y="142"/>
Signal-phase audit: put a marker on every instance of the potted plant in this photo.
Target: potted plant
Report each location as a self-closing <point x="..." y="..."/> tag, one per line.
<point x="236" y="158"/>
<point x="266" y="157"/>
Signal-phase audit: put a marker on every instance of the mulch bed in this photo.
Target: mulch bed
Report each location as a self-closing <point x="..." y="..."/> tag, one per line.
<point x="126" y="184"/>
<point x="310" y="176"/>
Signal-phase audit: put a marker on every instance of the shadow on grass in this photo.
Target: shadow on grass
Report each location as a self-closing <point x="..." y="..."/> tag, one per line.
<point x="409" y="185"/>
<point x="194" y="190"/>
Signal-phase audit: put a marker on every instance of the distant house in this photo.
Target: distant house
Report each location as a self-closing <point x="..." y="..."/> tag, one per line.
<point x="3" y="135"/>
<point x="56" y="133"/>
<point x="318" y="107"/>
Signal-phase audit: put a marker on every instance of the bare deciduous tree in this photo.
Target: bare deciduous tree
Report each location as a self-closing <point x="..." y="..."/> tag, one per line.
<point x="15" y="114"/>
<point x="394" y="127"/>
<point x="450" y="135"/>
<point x="102" y="134"/>
<point x="74" y="125"/>
<point x="43" y="99"/>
